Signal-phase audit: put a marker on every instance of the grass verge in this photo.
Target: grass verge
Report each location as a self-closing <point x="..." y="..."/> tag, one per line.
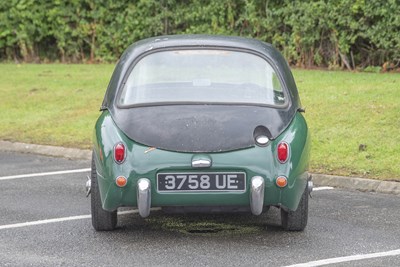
<point x="354" y="118"/>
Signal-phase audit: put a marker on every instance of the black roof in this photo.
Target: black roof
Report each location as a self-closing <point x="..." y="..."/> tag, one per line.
<point x="153" y="44"/>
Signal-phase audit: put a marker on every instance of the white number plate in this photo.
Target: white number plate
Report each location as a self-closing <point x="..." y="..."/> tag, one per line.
<point x="190" y="182"/>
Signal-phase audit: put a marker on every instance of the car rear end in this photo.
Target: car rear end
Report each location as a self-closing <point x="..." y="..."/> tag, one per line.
<point x="202" y="122"/>
<point x="268" y="174"/>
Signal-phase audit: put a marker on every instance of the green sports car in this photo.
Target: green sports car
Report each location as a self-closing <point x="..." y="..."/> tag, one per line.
<point x="201" y="123"/>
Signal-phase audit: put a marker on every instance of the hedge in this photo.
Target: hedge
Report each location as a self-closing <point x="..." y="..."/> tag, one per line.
<point x="342" y="33"/>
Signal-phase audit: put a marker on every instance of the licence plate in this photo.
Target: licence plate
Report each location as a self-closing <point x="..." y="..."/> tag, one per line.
<point x="202" y="182"/>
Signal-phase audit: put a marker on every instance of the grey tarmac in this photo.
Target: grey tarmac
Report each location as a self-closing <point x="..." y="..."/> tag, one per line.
<point x="342" y="223"/>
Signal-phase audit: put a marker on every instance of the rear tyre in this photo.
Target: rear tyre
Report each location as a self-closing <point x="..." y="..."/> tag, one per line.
<point x="102" y="220"/>
<point x="296" y="220"/>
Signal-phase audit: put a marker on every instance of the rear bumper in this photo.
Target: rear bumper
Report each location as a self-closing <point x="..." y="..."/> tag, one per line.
<point x="256" y="196"/>
<point x="261" y="191"/>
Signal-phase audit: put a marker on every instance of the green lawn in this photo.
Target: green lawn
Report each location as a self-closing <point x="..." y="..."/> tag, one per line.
<point x="345" y="110"/>
<point x="58" y="104"/>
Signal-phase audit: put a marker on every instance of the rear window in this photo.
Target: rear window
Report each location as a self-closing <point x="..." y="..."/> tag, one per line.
<point x="202" y="76"/>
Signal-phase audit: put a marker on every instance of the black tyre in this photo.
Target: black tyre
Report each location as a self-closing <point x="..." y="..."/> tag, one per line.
<point x="102" y="220"/>
<point x="296" y="220"/>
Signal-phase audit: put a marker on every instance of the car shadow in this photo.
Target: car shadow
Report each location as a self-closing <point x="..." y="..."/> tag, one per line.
<point x="202" y="224"/>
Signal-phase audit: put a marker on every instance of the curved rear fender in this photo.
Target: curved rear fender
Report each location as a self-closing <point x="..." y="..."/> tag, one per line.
<point x="296" y="168"/>
<point x="106" y="135"/>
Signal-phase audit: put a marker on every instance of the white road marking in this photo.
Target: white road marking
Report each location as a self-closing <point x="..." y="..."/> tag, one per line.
<point x="322" y="188"/>
<point x="43" y="174"/>
<point x="63" y="219"/>
<point x="18" y="225"/>
<point x="348" y="258"/>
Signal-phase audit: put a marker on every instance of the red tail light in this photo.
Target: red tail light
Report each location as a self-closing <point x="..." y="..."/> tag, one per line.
<point x="119" y="153"/>
<point x="283" y="152"/>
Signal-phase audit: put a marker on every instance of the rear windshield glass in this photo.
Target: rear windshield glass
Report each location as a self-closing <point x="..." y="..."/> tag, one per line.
<point x="202" y="76"/>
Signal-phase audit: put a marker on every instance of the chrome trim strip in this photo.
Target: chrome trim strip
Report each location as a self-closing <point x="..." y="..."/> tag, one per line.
<point x="201" y="163"/>
<point x="144" y="197"/>
<point x="257" y="185"/>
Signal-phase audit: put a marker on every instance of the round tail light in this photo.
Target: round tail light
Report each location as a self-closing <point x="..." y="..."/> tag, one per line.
<point x="121" y="181"/>
<point x="281" y="181"/>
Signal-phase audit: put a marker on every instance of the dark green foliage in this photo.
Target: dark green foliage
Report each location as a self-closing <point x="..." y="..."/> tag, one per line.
<point x="335" y="33"/>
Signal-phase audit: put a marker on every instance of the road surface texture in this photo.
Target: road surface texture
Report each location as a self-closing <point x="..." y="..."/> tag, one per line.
<point x="45" y="221"/>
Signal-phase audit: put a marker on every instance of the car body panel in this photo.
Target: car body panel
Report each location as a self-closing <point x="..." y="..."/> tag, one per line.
<point x="145" y="162"/>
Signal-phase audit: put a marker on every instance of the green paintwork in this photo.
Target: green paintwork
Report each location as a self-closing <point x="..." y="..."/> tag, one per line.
<point x="142" y="161"/>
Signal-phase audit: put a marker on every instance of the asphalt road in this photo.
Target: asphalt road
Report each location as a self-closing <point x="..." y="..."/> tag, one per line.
<point x="39" y="227"/>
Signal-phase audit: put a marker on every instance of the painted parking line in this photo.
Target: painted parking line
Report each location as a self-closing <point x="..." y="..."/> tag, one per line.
<point x="43" y="174"/>
<point x="57" y="220"/>
<point x="348" y="258"/>
<point x="322" y="188"/>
